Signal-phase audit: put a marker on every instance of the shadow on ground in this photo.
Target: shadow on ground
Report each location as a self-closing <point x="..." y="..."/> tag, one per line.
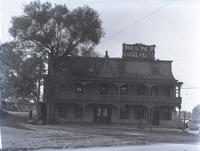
<point x="10" y="119"/>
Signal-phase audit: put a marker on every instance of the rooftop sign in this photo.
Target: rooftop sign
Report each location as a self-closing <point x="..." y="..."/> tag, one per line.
<point x="138" y="51"/>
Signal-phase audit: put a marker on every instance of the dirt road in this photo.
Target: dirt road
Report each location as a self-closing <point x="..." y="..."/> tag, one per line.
<point x="17" y="134"/>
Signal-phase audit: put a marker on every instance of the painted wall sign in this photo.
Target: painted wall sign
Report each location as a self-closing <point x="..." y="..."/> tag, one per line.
<point x="139" y="51"/>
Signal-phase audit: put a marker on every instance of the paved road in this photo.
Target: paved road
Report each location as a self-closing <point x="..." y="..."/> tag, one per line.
<point x="157" y="147"/>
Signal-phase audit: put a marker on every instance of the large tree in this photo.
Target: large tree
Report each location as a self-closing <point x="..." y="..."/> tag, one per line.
<point x="10" y="60"/>
<point x="55" y="31"/>
<point x="20" y="74"/>
<point x="196" y="113"/>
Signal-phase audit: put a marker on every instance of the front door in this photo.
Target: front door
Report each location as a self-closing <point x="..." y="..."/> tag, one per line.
<point x="155" y="120"/>
<point x="102" y="115"/>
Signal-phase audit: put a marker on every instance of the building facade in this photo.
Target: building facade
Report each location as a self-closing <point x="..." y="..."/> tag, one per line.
<point x="133" y="89"/>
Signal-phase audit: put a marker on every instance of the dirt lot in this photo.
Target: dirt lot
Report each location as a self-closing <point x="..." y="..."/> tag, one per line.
<point x="17" y="134"/>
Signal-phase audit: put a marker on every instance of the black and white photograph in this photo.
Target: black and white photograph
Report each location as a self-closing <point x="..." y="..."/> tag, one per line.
<point x="99" y="75"/>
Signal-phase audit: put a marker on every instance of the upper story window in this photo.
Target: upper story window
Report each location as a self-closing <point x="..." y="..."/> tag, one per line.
<point x="104" y="89"/>
<point x="166" y="91"/>
<point x="124" y="90"/>
<point x="79" y="88"/>
<point x="154" y="91"/>
<point x="141" y="89"/>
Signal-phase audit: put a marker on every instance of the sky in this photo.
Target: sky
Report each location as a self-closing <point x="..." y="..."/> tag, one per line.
<point x="172" y="25"/>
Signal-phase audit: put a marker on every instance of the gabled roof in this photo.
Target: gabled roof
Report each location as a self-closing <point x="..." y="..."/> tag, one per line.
<point x="106" y="70"/>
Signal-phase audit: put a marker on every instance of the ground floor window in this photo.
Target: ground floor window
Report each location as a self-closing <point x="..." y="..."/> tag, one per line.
<point x="62" y="110"/>
<point x="165" y="113"/>
<point x="124" y="112"/>
<point x="102" y="112"/>
<point x="78" y="112"/>
<point x="140" y="112"/>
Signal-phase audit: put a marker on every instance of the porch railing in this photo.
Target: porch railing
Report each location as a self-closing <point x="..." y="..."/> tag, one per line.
<point x="114" y="98"/>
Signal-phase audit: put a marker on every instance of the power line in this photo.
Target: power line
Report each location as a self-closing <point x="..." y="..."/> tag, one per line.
<point x="190" y="88"/>
<point x="139" y="20"/>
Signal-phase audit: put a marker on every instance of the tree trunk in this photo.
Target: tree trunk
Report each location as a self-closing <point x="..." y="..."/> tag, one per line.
<point x="51" y="78"/>
<point x="38" y="108"/>
<point x="51" y="90"/>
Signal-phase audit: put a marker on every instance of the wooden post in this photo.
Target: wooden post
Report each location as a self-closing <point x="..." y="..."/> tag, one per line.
<point x="151" y="118"/>
<point x="179" y="116"/>
<point x="83" y="114"/>
<point x="179" y="91"/>
<point x="119" y="86"/>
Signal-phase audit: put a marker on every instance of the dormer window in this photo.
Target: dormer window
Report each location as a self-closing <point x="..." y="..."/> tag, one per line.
<point x="91" y="69"/>
<point x="79" y="88"/>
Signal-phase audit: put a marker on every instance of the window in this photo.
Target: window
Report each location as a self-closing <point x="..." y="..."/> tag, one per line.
<point x="124" y="90"/>
<point x="140" y="112"/>
<point x="154" y="91"/>
<point x="140" y="89"/>
<point x="62" y="110"/>
<point x="124" y="112"/>
<point x="78" y="112"/>
<point x="105" y="112"/>
<point x="98" y="112"/>
<point x="104" y="89"/>
<point x="79" y="88"/>
<point x="165" y="113"/>
<point x="166" y="91"/>
<point x="91" y="68"/>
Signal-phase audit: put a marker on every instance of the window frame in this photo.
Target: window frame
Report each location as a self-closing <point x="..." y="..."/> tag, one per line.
<point x="140" y="112"/>
<point x="78" y="111"/>
<point x="77" y="87"/>
<point x="62" y="110"/>
<point x="103" y="92"/>
<point x="141" y="88"/>
<point x="166" y="113"/>
<point x="124" y="112"/>
<point x="124" y="90"/>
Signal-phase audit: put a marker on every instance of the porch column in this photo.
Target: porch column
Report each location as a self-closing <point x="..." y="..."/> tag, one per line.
<point x="50" y="113"/>
<point x="149" y="113"/>
<point x="118" y="115"/>
<point x="83" y="113"/>
<point x="149" y="88"/>
<point x="179" y="91"/>
<point x="179" y="116"/>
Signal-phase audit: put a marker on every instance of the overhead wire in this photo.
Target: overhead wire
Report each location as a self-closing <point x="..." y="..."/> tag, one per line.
<point x="139" y="20"/>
